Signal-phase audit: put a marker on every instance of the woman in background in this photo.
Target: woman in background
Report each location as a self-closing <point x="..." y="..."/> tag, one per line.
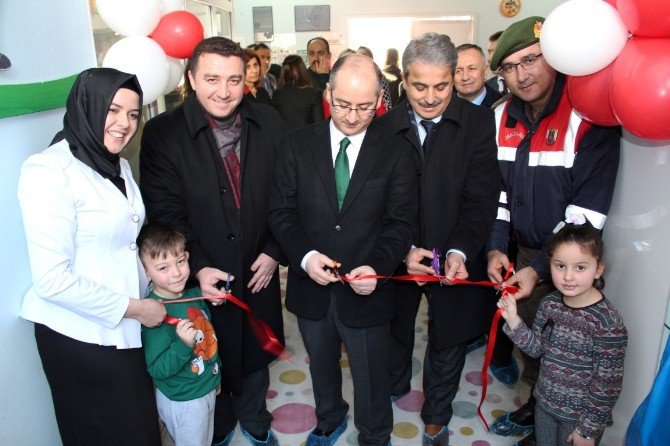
<point x="82" y="212"/>
<point x="393" y="74"/>
<point x="253" y="82"/>
<point x="295" y="98"/>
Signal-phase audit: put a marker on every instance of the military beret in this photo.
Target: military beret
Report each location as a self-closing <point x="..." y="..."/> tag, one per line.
<point x="517" y="36"/>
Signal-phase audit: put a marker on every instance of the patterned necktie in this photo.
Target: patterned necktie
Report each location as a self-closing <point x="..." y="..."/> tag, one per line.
<point x="429" y="126"/>
<point x="342" y="171"/>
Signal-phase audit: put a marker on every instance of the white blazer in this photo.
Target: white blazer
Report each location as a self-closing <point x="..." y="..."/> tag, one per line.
<point x="81" y="234"/>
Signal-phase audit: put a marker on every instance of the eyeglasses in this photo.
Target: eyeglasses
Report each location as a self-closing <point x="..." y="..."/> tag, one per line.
<point x="526" y="62"/>
<point x="345" y="110"/>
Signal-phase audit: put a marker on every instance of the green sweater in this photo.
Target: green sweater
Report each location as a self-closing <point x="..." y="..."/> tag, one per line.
<point x="179" y="371"/>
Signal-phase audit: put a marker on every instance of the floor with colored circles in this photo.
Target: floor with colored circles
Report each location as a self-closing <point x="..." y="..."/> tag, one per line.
<point x="291" y="399"/>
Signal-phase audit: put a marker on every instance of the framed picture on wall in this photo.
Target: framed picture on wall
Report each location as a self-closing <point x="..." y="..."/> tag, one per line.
<point x="263" y="27"/>
<point x="312" y="18"/>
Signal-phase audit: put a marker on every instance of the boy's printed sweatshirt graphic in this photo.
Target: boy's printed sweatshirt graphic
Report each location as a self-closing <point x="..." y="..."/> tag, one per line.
<point x="182" y="372"/>
<point x="205" y="341"/>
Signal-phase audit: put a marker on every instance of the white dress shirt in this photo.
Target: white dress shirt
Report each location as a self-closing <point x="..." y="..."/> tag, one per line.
<point x="81" y="233"/>
<point x="354" y="148"/>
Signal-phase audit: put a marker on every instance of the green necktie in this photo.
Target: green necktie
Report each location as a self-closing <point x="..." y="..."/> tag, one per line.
<point x="342" y="171"/>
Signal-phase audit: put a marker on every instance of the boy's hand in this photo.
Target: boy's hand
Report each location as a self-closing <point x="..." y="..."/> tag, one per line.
<point x="508" y="305"/>
<point x="186" y="332"/>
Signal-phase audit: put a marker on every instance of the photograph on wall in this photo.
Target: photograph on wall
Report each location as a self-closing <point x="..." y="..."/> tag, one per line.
<point x="312" y="18"/>
<point x="263" y="28"/>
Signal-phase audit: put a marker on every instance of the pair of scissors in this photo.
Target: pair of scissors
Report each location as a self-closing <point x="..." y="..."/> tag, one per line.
<point x="335" y="268"/>
<point x="435" y="263"/>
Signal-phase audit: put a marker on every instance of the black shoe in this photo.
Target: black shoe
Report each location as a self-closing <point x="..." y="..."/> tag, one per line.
<point x="524" y="415"/>
<point x="517" y="423"/>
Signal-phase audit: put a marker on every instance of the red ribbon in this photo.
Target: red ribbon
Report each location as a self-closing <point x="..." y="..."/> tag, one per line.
<point x="266" y="337"/>
<point x="491" y="343"/>
<point x="271" y="344"/>
<point x="493" y="331"/>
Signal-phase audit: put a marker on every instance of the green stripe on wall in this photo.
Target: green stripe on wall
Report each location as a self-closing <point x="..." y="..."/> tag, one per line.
<point x="22" y="99"/>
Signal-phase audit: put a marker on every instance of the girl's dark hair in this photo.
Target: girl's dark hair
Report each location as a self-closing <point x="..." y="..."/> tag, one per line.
<point x="587" y="237"/>
<point x="157" y="241"/>
<point x="294" y="73"/>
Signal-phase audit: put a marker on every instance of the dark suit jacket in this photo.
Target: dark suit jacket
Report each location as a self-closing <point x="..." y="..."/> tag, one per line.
<point x="374" y="227"/>
<point x="491" y="96"/>
<point x="459" y="183"/>
<point x="185" y="187"/>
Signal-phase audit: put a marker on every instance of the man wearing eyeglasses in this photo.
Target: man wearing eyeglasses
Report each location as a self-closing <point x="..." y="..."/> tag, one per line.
<point x="345" y="207"/>
<point x="554" y="164"/>
<point x="453" y="143"/>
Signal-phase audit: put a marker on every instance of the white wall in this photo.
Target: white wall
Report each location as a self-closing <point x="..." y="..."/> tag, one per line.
<point x="488" y="17"/>
<point x="637" y="242"/>
<point x="45" y="40"/>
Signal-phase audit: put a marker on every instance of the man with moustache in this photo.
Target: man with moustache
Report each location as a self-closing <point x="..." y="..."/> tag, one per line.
<point x="554" y="165"/>
<point x="455" y="160"/>
<point x="346" y="192"/>
<point x="206" y="168"/>
<point x="470" y="76"/>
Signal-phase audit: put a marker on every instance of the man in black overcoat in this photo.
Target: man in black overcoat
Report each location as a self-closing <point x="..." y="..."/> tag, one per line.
<point x="455" y="161"/>
<point x="206" y="169"/>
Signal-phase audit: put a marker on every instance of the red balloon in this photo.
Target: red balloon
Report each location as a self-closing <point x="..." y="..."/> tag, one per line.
<point x="648" y="18"/>
<point x="612" y="2"/>
<point x="178" y="33"/>
<point x="590" y="95"/>
<point x="640" y="88"/>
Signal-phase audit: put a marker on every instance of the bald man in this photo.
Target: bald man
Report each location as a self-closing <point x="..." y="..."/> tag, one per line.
<point x="346" y="203"/>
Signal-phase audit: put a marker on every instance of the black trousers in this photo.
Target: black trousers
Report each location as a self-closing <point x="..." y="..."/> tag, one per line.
<point x="368" y="352"/>
<point x="249" y="407"/>
<point x="441" y="375"/>
<point x="101" y="395"/>
<point x="408" y="299"/>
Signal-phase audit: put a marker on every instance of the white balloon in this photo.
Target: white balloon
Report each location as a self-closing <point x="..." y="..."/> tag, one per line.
<point x="130" y="17"/>
<point x="580" y="37"/>
<point x="172" y="5"/>
<point x="175" y="73"/>
<point x="144" y="58"/>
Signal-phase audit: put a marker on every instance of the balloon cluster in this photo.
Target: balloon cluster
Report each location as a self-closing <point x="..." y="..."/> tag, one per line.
<point x="159" y="34"/>
<point x="616" y="53"/>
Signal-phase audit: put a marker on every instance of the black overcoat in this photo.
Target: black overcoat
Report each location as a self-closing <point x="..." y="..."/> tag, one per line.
<point x="185" y="187"/>
<point x="460" y="188"/>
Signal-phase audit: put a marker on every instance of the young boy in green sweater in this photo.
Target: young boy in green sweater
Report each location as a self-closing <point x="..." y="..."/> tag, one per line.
<point x="183" y="359"/>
